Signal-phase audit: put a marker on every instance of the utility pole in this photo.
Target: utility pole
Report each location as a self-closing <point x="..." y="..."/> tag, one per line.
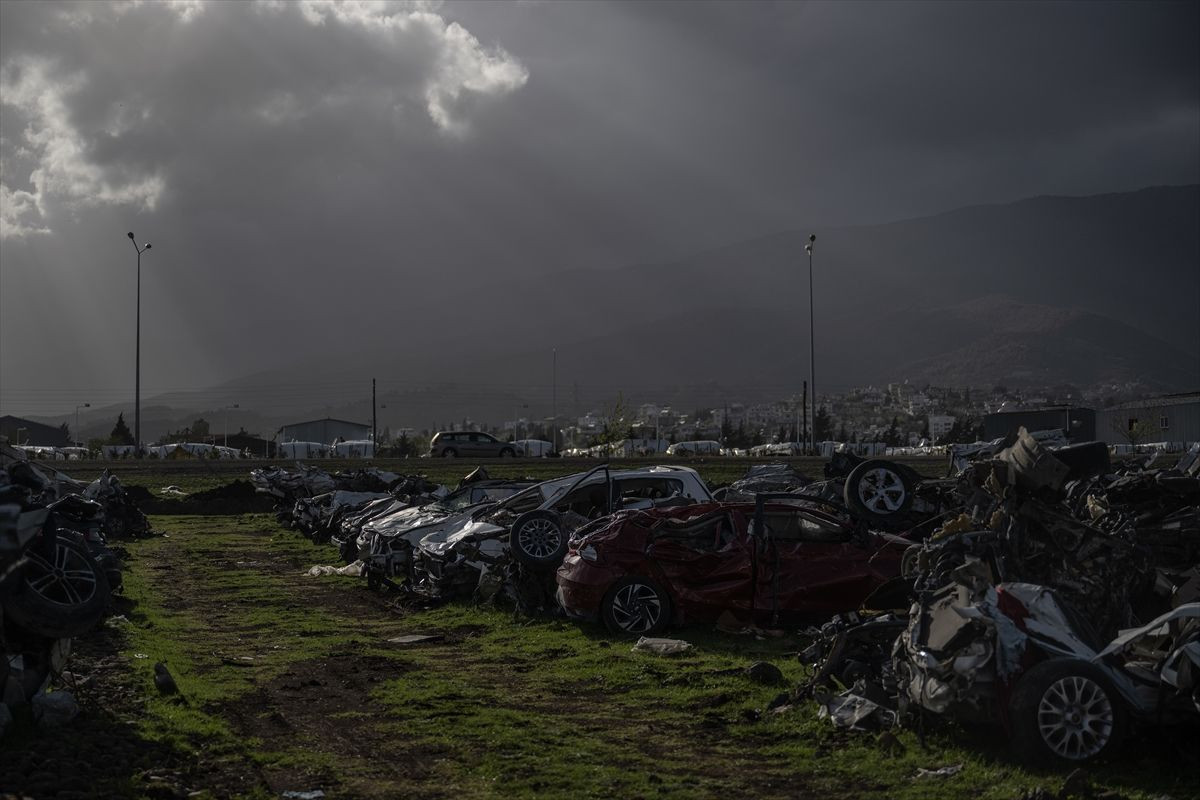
<point x="804" y="406"/>
<point x="76" y="437"/>
<point x="374" y="419"/>
<point x="797" y="405"/>
<point x="225" y="435"/>
<point x="554" y="405"/>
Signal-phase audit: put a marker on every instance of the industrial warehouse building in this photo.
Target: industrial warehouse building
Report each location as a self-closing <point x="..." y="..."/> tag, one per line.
<point x="1077" y="424"/>
<point x="324" y="431"/>
<point x="28" y="432"/>
<point x="1170" y="418"/>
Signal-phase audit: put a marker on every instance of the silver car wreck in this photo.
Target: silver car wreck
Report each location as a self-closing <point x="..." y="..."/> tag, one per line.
<point x="529" y="532"/>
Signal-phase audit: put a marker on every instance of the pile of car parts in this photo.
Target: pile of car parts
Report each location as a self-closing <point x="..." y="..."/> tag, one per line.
<point x="314" y="502"/>
<point x="1058" y="602"/>
<point x="57" y="574"/>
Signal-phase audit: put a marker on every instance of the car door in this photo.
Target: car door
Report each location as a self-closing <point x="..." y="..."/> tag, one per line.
<point x="707" y="563"/>
<point x="810" y="566"/>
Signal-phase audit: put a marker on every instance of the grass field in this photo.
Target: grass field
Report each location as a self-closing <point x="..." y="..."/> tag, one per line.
<point x="290" y="682"/>
<point x="193" y="475"/>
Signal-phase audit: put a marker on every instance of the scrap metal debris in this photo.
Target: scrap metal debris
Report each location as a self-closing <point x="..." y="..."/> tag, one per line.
<point x="1058" y="602"/>
<point x="57" y="574"/>
<point x="317" y="504"/>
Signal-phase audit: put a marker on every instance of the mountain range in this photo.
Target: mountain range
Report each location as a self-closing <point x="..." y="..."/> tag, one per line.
<point x="1043" y="291"/>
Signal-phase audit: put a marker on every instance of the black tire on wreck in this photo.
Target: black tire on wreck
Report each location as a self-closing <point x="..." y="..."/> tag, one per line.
<point x="62" y="599"/>
<point x="537" y="539"/>
<point x="1065" y="712"/>
<point x="879" y="492"/>
<point x="636" y="606"/>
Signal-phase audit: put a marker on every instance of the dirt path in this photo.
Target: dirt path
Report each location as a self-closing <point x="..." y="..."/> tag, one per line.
<point x="281" y="680"/>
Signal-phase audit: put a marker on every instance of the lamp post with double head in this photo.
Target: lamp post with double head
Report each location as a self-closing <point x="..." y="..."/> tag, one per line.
<point x="137" y="357"/>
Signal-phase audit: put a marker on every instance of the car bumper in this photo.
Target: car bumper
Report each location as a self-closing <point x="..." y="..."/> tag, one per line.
<point x="582" y="586"/>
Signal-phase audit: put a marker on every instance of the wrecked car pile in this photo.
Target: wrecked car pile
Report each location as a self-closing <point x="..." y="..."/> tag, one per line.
<point x="317" y="504"/>
<point x="123" y="519"/>
<point x="507" y="537"/>
<point x="1059" y="602"/>
<point x="57" y="575"/>
<point x="1037" y="587"/>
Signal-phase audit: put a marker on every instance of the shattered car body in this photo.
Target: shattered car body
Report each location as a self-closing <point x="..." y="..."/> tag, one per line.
<point x="56" y="577"/>
<point x="780" y="558"/>
<point x="385" y="542"/>
<point x="882" y="494"/>
<point x="315" y="502"/>
<point x="1029" y="607"/>
<point x="1015" y="651"/>
<point x="533" y="528"/>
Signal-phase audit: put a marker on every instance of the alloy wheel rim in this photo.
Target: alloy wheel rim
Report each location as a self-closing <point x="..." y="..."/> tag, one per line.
<point x="882" y="491"/>
<point x="539" y="538"/>
<point x="636" y="608"/>
<point x="1075" y="718"/>
<point x="69" y="581"/>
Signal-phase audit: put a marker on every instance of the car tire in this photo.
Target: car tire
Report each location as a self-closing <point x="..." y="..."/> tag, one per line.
<point x="636" y="606"/>
<point x="507" y="452"/>
<point x="63" y="599"/>
<point x="449" y="452"/>
<point x="1065" y="711"/>
<point x="879" y="491"/>
<point x="537" y="539"/>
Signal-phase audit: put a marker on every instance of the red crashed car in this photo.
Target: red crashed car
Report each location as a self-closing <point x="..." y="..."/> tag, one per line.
<point x="780" y="559"/>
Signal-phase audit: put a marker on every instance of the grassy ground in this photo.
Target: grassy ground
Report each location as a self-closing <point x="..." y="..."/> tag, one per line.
<point x="289" y="682"/>
<point x="193" y="475"/>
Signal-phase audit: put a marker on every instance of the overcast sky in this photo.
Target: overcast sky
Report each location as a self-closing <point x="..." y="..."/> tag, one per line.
<point x="307" y="168"/>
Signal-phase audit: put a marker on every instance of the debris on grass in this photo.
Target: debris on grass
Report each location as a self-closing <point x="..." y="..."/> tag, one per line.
<point x="662" y="647"/>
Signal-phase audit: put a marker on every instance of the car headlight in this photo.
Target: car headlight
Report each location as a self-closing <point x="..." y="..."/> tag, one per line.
<point x="588" y="553"/>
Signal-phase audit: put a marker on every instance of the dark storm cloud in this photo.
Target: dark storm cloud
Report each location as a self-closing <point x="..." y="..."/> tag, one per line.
<point x="337" y="163"/>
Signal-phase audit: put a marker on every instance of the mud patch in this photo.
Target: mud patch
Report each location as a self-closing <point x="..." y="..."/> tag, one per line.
<point x="325" y="705"/>
<point x="102" y="753"/>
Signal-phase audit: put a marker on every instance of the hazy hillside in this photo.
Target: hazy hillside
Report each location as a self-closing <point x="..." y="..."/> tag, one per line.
<point x="1133" y="256"/>
<point x="1045" y="290"/>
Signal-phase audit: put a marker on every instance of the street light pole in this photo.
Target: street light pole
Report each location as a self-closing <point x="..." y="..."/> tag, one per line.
<point x="137" y="358"/>
<point x="84" y="405"/>
<point x="812" y="347"/>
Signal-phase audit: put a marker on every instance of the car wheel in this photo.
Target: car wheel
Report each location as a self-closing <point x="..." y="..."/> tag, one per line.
<point x="507" y="453"/>
<point x="878" y="491"/>
<point x="449" y="452"/>
<point x="62" y="599"/>
<point x="636" y="605"/>
<point x="537" y="539"/>
<point x="1065" y="711"/>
